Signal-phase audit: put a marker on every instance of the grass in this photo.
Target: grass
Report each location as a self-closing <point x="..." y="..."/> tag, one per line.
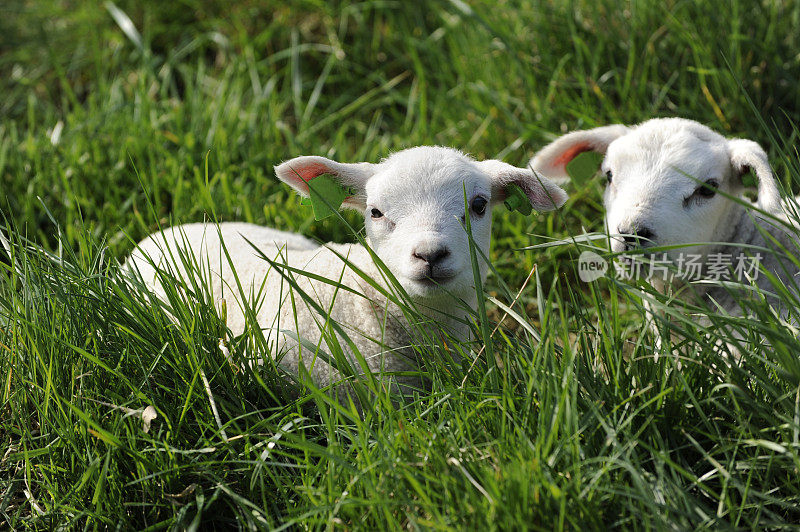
<point x="111" y="129"/>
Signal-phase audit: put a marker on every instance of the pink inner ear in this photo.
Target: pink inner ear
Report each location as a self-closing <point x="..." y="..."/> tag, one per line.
<point x="562" y="160"/>
<point x="310" y="171"/>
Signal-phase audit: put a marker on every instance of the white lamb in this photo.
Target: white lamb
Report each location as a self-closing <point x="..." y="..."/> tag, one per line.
<point x="663" y="178"/>
<point x="413" y="203"/>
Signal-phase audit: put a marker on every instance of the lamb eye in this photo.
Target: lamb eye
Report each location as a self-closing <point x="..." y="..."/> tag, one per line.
<point x="707" y="189"/>
<point x="609" y="176"/>
<point x="375" y="213"/>
<point x="479" y="205"/>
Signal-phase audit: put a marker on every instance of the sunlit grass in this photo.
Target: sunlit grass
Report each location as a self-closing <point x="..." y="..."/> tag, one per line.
<point x="561" y="417"/>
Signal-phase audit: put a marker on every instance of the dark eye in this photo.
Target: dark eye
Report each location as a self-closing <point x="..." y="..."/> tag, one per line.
<point x="609" y="176"/>
<point x="479" y="205"/>
<point x="375" y="213"/>
<point x="707" y="189"/>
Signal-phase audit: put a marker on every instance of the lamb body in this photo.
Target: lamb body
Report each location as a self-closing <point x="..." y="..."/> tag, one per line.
<point x="414" y="208"/>
<point x="663" y="177"/>
<point x="770" y="240"/>
<point x="367" y="318"/>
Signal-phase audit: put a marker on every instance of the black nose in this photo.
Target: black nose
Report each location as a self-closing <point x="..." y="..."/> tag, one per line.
<point x="431" y="256"/>
<point x="635" y="238"/>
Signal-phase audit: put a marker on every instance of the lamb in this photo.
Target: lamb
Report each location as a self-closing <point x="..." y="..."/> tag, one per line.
<point x="414" y="208"/>
<point x="664" y="177"/>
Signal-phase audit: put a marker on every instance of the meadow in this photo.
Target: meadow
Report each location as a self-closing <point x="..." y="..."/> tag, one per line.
<point x="118" y="118"/>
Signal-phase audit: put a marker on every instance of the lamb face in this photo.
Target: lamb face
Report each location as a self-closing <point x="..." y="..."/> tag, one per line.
<point x="415" y="219"/>
<point x="413" y="205"/>
<point x="662" y="187"/>
<point x="664" y="177"/>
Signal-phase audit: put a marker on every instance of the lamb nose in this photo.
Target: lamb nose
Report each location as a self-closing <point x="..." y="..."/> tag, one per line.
<point x="433" y="256"/>
<point x="636" y="237"/>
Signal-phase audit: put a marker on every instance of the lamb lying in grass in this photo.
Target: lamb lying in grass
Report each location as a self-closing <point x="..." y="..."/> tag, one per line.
<point x="414" y="206"/>
<point x="664" y="182"/>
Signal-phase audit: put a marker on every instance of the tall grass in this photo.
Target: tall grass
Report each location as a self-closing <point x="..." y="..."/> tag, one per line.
<point x="560" y="417"/>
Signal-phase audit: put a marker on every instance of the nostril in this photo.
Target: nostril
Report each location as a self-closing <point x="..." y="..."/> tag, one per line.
<point x="645" y="233"/>
<point x="636" y="237"/>
<point x="438" y="255"/>
<point x="433" y="256"/>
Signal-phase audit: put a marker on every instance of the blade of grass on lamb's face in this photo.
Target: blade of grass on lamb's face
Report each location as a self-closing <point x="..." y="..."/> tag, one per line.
<point x="483" y="319"/>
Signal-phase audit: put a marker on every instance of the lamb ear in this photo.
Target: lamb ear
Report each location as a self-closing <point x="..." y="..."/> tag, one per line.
<point x="747" y="155"/>
<point x="299" y="171"/>
<point x="552" y="159"/>
<point x="543" y="194"/>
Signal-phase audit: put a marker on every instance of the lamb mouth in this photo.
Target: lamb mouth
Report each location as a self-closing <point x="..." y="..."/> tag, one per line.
<point x="433" y="281"/>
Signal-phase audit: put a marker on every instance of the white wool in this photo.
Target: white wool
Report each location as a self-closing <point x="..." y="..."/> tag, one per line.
<point x="413" y="204"/>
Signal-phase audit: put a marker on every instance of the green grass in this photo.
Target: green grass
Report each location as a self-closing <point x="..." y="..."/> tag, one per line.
<point x="569" y="424"/>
